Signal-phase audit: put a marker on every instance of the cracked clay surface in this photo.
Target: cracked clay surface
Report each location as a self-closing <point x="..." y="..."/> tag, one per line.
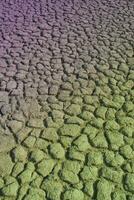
<point x="67" y="100"/>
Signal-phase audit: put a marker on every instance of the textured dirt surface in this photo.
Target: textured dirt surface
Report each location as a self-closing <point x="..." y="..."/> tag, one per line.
<point x="67" y="100"/>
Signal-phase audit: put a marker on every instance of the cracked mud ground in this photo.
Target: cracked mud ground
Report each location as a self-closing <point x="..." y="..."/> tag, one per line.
<point x="67" y="100"/>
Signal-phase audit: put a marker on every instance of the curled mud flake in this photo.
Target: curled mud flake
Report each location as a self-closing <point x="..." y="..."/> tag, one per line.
<point x="118" y="195"/>
<point x="69" y="172"/>
<point x="69" y="176"/>
<point x="5" y="109"/>
<point x="112" y="125"/>
<point x="77" y="100"/>
<point x="56" y="114"/>
<point x="30" y="92"/>
<point x="131" y="114"/>
<point x="88" y="100"/>
<point x="89" y="108"/>
<point x="131" y="61"/>
<point x="107" y="103"/>
<point x="74" y="120"/>
<point x="35" y="132"/>
<point x="1" y="182"/>
<point x="53" y="90"/>
<point x="7" y="142"/>
<point x="36" y="155"/>
<point x="74" y="154"/>
<point x="100" y="112"/>
<point x="89" y="172"/>
<point x="110" y="114"/>
<point x="6" y="164"/>
<point x="118" y="100"/>
<point x="129" y="182"/>
<point x="127" y="131"/>
<point x="131" y="75"/>
<point x="19" y="154"/>
<point x="66" y="85"/>
<point x="94" y="158"/>
<point x="104" y="189"/>
<point x="90" y="131"/>
<point x="35" y="193"/>
<point x="37" y="180"/>
<point x="66" y="141"/>
<point x="128" y="106"/>
<point x="97" y="122"/>
<point x="29" y="142"/>
<point x="72" y="130"/>
<point x="4" y="96"/>
<point x="23" y="134"/>
<point x="86" y="115"/>
<point x="129" y="166"/>
<point x="120" y="114"/>
<point x="73" y="166"/>
<point x="112" y="175"/>
<point x="22" y="191"/>
<point x="73" y="109"/>
<point x="35" y="123"/>
<point x="99" y="140"/>
<point x="73" y="194"/>
<point x="89" y="188"/>
<point x="26" y="175"/>
<point x="127" y="121"/>
<point x="79" y="185"/>
<point x="113" y="159"/>
<point x="50" y="134"/>
<point x="81" y="143"/>
<point x="50" y="123"/>
<point x="115" y="139"/>
<point x="15" y="126"/>
<point x="10" y="190"/>
<point x="41" y="144"/>
<point x="45" y="167"/>
<point x="11" y="85"/>
<point x="53" y="188"/>
<point x="17" y="169"/>
<point x="126" y="151"/>
<point x="57" y="151"/>
<point x="64" y="95"/>
<point x="128" y="85"/>
<point x="9" y="179"/>
<point x="18" y="116"/>
<point x="55" y="106"/>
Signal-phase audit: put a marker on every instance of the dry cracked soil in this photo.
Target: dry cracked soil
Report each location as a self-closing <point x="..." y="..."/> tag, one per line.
<point x="67" y="100"/>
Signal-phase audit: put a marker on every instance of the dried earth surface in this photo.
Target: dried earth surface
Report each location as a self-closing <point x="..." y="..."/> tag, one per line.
<point x="67" y="100"/>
